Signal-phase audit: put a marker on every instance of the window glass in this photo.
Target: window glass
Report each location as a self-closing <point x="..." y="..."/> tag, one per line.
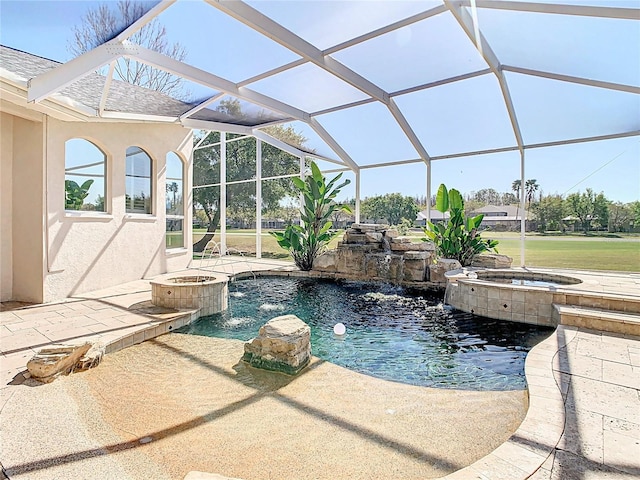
<point x="138" y="181"/>
<point x="174" y="201"/>
<point x="84" y="176"/>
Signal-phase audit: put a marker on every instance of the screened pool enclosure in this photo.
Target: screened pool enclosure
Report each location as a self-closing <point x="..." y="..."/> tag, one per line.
<point x="393" y="93"/>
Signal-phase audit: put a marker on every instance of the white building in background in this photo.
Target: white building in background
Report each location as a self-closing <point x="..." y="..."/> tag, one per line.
<point x="503" y="217"/>
<point x="50" y="249"/>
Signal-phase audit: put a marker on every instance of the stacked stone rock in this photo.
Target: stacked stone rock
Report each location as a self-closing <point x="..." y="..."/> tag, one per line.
<point x="283" y="345"/>
<point x="377" y="252"/>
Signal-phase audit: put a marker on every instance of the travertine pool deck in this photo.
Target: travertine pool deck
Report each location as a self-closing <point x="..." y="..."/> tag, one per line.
<point x="583" y="420"/>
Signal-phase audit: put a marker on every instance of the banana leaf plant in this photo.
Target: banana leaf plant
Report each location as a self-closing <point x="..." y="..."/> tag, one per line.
<point x="459" y="237"/>
<point x="75" y="194"/>
<point x="305" y="242"/>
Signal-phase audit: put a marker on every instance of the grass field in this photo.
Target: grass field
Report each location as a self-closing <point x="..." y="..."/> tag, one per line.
<point x="574" y="252"/>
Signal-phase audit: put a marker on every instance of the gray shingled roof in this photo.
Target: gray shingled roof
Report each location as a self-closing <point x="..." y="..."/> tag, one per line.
<point x="123" y="97"/>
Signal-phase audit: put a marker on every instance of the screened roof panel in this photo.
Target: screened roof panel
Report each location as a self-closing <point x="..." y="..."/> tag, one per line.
<point x="237" y="112"/>
<point x="459" y="117"/>
<point x="308" y="87"/>
<point x="497" y="170"/>
<point x="326" y="24"/>
<point x="436" y="48"/>
<point x="376" y="127"/>
<point x="591" y="3"/>
<point x="585" y="47"/>
<point x="218" y="43"/>
<point x="550" y="110"/>
<point x="313" y="143"/>
<point x="355" y="59"/>
<point x="406" y="178"/>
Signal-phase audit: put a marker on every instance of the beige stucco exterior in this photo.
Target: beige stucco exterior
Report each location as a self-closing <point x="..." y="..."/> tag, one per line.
<point x="48" y="253"/>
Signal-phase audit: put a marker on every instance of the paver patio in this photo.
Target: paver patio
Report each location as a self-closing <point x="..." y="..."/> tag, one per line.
<point x="584" y="415"/>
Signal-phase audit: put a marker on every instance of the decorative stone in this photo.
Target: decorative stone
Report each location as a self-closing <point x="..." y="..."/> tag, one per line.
<point x="400" y="239"/>
<point x="92" y="358"/>
<point x="491" y="260"/>
<point x="352" y="237"/>
<point x="373" y="237"/>
<point x="415" y="266"/>
<point x="326" y="262"/>
<point x="56" y="360"/>
<point x="391" y="233"/>
<point x="283" y="345"/>
<point x="438" y="270"/>
<point x="369" y="227"/>
<point x="415" y="255"/>
<point x="407" y="247"/>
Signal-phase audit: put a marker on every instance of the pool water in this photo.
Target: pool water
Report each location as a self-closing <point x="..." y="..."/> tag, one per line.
<point x="392" y="333"/>
<point x="525" y="282"/>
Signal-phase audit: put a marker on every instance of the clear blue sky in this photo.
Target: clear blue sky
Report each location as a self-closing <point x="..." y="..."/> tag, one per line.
<point x="448" y="119"/>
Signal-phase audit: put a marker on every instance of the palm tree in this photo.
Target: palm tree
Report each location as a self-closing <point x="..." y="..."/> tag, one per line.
<point x="530" y="187"/>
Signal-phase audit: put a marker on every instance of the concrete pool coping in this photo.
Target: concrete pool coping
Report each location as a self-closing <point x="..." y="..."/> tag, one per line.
<point x="558" y="372"/>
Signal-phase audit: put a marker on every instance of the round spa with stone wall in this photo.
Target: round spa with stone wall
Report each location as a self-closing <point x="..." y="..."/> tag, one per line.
<point x="207" y="293"/>
<point x="509" y="294"/>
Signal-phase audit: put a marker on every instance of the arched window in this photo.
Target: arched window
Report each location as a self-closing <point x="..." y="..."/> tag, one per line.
<point x="174" y="201"/>
<point x="138" y="181"/>
<point x="84" y="176"/>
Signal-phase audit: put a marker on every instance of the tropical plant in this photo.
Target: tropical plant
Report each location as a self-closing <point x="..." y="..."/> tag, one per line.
<point x="75" y="194"/>
<point x="459" y="238"/>
<point x="305" y="242"/>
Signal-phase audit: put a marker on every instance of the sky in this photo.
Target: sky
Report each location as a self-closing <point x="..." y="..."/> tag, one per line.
<point x="453" y="118"/>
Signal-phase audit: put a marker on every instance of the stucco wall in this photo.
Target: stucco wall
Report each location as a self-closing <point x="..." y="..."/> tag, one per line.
<point x="88" y="251"/>
<point x="27" y="211"/>
<point x="6" y="169"/>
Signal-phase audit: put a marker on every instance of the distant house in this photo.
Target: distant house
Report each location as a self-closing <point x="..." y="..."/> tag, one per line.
<point x="436" y="216"/>
<point x="503" y="217"/>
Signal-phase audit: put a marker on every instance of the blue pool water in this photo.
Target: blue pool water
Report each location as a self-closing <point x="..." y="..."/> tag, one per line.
<point x="392" y="333"/>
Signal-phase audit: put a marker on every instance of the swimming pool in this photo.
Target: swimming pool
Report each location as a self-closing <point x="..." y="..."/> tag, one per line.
<point x="392" y="333"/>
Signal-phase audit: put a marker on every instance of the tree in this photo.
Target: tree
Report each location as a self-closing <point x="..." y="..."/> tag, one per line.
<point x="393" y="207"/>
<point x="103" y="22"/>
<point x="241" y="165"/>
<point x="635" y="209"/>
<point x="486" y="196"/>
<point x="620" y="216"/>
<point x="589" y="207"/>
<point x="305" y="242"/>
<point x="530" y="188"/>
<point x="550" y="211"/>
<point x="509" y="198"/>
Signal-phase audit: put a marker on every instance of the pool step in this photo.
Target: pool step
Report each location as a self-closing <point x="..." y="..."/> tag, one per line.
<point x="601" y="301"/>
<point x="597" y="319"/>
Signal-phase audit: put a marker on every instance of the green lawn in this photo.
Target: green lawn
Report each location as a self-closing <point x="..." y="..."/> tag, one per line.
<point x="588" y="253"/>
<point x="575" y="252"/>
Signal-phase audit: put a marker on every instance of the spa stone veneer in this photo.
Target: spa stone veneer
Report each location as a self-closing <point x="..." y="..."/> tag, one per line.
<point x="207" y="294"/>
<point x="506" y="301"/>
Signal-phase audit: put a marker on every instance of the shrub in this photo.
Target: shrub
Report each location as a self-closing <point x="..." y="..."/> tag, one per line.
<point x="459" y="237"/>
<point x="305" y="242"/>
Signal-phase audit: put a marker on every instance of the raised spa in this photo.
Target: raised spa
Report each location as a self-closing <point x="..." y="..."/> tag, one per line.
<point x="526" y="278"/>
<point x="515" y="295"/>
<point x="391" y="333"/>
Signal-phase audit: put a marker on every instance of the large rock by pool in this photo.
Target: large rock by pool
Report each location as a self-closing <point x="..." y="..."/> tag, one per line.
<point x="283" y="345"/>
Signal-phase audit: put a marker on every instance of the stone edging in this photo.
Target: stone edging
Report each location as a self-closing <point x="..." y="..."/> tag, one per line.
<point x="536" y="438"/>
